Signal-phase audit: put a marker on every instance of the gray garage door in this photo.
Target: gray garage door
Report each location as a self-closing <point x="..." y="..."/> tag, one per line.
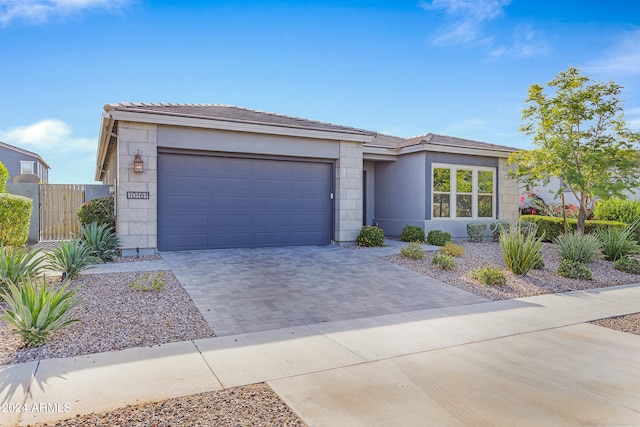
<point x="209" y="202"/>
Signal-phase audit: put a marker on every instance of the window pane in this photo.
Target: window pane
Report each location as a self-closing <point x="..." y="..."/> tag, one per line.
<point x="463" y="206"/>
<point x="485" y="182"/>
<point x="26" y="167"/>
<point x="485" y="206"/>
<point x="464" y="181"/>
<point x="441" y="205"/>
<point x="441" y="180"/>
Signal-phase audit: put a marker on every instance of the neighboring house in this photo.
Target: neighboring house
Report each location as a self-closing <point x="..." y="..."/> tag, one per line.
<point x="23" y="162"/>
<point x="219" y="177"/>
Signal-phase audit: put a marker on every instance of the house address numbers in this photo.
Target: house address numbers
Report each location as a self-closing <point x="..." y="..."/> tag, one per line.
<point x="140" y="195"/>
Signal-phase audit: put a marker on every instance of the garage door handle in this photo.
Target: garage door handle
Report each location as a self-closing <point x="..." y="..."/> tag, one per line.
<point x="331" y="196"/>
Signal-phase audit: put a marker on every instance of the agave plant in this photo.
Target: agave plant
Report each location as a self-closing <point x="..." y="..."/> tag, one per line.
<point x="34" y="311"/>
<point x="18" y="264"/>
<point x="71" y="258"/>
<point x="101" y="240"/>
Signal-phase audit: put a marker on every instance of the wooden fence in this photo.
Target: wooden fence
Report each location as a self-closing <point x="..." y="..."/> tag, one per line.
<point x="58" y="206"/>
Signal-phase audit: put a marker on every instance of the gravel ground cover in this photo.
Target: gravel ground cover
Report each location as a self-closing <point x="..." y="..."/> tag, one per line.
<point x="254" y="405"/>
<point x="629" y="323"/>
<point x="537" y="282"/>
<point x="114" y="317"/>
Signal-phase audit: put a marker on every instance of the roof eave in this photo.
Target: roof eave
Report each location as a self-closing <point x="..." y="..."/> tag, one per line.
<point x="240" y="126"/>
<point x="106" y="127"/>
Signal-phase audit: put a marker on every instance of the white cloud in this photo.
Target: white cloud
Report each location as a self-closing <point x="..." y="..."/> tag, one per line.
<point x="38" y="11"/>
<point x="623" y="58"/>
<point x="632" y="117"/>
<point x="526" y="44"/>
<point x="47" y="135"/>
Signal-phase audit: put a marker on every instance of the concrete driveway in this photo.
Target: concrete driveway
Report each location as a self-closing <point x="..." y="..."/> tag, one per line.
<point x="250" y="290"/>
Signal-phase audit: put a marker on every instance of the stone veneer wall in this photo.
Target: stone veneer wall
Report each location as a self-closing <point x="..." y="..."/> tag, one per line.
<point x="508" y="193"/>
<point x="137" y="220"/>
<point x="348" y="192"/>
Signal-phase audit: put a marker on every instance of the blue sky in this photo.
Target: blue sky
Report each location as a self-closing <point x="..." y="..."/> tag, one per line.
<point x="456" y="67"/>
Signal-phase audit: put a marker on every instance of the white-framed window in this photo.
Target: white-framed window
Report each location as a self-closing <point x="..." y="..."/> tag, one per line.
<point x="462" y="191"/>
<point x="26" y="167"/>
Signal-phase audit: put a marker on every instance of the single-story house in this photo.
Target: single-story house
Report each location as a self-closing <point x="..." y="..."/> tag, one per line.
<point x="23" y="162"/>
<point x="212" y="176"/>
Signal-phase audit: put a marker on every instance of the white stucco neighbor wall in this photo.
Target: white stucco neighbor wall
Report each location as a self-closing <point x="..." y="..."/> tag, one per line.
<point x="508" y="194"/>
<point x="348" y="204"/>
<point x="136" y="219"/>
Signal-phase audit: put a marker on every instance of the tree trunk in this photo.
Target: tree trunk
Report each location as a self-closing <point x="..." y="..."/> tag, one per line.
<point x="582" y="216"/>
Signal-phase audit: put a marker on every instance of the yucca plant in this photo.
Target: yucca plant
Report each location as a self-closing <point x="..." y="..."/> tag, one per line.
<point x="578" y="247"/>
<point x="71" y="258"/>
<point x="618" y="242"/>
<point x="521" y="250"/>
<point x="17" y="264"/>
<point x="34" y="311"/>
<point x="101" y="240"/>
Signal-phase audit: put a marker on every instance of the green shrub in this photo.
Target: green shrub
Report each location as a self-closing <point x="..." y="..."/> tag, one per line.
<point x="577" y="247"/>
<point x="527" y="228"/>
<point x="551" y="227"/>
<point x="438" y="237"/>
<point x="412" y="233"/>
<point x="412" y="250"/>
<point x="476" y="231"/>
<point x="370" y="236"/>
<point x="521" y="252"/>
<point x="15" y="215"/>
<point x="149" y="282"/>
<point x="627" y="211"/>
<point x="490" y="276"/>
<point x="618" y="242"/>
<point x="452" y="249"/>
<point x="628" y="264"/>
<point x="71" y="258"/>
<point x="34" y="311"/>
<point x="497" y="228"/>
<point x="99" y="210"/>
<point x="574" y="270"/>
<point x="443" y="261"/>
<point x="18" y="264"/>
<point x="4" y="177"/>
<point x="101" y="240"/>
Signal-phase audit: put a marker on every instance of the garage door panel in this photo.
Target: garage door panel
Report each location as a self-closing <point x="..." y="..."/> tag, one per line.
<point x="246" y="202"/>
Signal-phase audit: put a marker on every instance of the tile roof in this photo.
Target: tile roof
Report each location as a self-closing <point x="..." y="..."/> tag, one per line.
<point x="451" y="141"/>
<point x="231" y="114"/>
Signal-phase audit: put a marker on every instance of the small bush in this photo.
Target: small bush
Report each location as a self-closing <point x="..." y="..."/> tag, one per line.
<point x="627" y="211"/>
<point x="412" y="233"/>
<point x="452" y="249"/>
<point x="443" y="261"/>
<point x="370" y="236"/>
<point x="438" y="237"/>
<point x="574" y="270"/>
<point x="497" y="228"/>
<point x="490" y="276"/>
<point x="412" y="250"/>
<point x="100" y="211"/>
<point x="15" y="215"/>
<point x="101" y="240"/>
<point x="149" y="282"/>
<point x="18" y="264"/>
<point x="71" y="258"/>
<point x="550" y="227"/>
<point x="476" y="231"/>
<point x="628" y="264"/>
<point x="34" y="311"/>
<point x="520" y="252"/>
<point x="583" y="248"/>
<point x="618" y="242"/>
<point x="4" y="177"/>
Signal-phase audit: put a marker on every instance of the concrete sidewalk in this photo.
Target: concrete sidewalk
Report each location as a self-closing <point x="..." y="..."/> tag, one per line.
<point x="529" y="361"/>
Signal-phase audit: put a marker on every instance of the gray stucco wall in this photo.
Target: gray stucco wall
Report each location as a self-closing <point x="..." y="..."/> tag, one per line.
<point x="370" y="168"/>
<point x="244" y="142"/>
<point x="11" y="159"/>
<point x="400" y="193"/>
<point x="31" y="191"/>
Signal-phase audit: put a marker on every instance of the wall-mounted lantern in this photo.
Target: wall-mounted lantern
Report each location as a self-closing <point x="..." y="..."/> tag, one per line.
<point x="138" y="163"/>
